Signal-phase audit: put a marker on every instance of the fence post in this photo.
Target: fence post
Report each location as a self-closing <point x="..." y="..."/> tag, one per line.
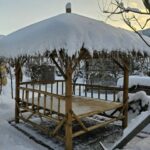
<point x="17" y="98"/>
<point x="125" y="96"/>
<point x="68" y="125"/>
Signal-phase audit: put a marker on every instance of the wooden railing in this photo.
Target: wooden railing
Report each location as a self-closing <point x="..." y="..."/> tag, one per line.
<point x="43" y="98"/>
<point x="58" y="87"/>
<point x="96" y="91"/>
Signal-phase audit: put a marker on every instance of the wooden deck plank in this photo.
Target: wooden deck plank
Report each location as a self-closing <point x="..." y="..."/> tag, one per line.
<point x="81" y="105"/>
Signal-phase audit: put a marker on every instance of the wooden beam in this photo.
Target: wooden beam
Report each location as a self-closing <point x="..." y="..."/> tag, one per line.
<point x="79" y="121"/>
<point x="17" y="96"/>
<point x="102" y="124"/>
<point x="60" y="69"/>
<point x="68" y="106"/>
<point x="117" y="62"/>
<point x="58" y="126"/>
<point x="125" y="95"/>
<point x="77" y="60"/>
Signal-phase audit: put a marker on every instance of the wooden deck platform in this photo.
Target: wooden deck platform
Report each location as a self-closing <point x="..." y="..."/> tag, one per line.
<point x="43" y="103"/>
<point x="81" y="106"/>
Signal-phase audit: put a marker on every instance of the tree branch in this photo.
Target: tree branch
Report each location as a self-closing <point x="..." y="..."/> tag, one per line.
<point x="129" y="25"/>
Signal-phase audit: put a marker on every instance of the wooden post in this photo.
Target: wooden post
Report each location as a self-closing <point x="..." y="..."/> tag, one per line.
<point x="17" y="76"/>
<point x="125" y="95"/>
<point x="68" y="125"/>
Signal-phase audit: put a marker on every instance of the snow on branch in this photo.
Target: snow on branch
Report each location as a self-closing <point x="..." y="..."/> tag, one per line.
<point x="120" y="8"/>
<point x="133" y="9"/>
<point x="130" y="15"/>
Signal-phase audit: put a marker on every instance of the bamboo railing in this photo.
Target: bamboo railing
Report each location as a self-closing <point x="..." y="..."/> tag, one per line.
<point x="86" y="90"/>
<point x="34" y="93"/>
<point x="96" y="91"/>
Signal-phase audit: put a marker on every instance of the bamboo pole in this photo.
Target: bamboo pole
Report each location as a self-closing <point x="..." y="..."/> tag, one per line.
<point x="68" y="125"/>
<point x="125" y="95"/>
<point x="33" y="97"/>
<point x="17" y="77"/>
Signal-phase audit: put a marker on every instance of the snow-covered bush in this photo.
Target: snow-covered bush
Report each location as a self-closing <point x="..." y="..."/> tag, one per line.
<point x="138" y="101"/>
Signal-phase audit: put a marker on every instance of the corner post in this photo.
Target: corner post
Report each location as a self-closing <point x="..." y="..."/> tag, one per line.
<point x="68" y="125"/>
<point x="17" y="94"/>
<point x="125" y="94"/>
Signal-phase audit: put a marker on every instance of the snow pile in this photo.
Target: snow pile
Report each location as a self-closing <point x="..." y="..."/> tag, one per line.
<point x="70" y="32"/>
<point x="138" y="101"/>
<point x="135" y="80"/>
<point x="135" y="96"/>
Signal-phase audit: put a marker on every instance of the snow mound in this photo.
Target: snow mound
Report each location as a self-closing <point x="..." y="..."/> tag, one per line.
<point x="135" y="96"/>
<point x="135" y="80"/>
<point x="139" y="101"/>
<point x="70" y="32"/>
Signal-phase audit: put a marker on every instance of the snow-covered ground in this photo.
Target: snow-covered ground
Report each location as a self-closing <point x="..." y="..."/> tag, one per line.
<point x="11" y="138"/>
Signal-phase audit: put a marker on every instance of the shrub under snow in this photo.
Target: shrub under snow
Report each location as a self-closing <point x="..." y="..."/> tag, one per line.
<point x="138" y="101"/>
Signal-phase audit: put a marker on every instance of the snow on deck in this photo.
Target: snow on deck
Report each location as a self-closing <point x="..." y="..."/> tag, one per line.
<point x="80" y="105"/>
<point x="70" y="32"/>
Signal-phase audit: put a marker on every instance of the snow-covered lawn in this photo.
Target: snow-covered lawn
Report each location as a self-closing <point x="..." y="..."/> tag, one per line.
<point x="11" y="138"/>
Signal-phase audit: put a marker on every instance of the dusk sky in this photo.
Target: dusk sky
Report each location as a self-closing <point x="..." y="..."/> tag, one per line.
<point x="15" y="14"/>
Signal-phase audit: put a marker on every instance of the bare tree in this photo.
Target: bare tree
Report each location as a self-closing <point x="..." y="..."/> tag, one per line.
<point x="130" y="15"/>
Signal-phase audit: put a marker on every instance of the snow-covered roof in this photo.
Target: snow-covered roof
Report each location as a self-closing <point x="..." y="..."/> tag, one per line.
<point x="70" y="32"/>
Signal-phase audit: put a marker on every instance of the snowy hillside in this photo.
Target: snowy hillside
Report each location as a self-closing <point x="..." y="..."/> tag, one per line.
<point x="71" y="32"/>
<point x="146" y="32"/>
<point x="2" y="36"/>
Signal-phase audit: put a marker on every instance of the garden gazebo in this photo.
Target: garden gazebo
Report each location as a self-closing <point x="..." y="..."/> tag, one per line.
<point x="71" y="38"/>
